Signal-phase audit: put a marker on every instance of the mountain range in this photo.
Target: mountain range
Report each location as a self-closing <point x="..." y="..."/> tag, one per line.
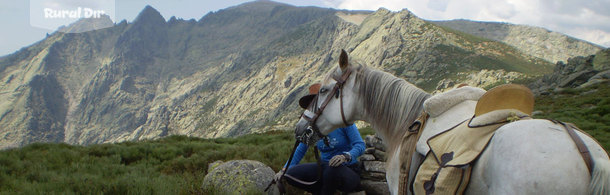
<point x="241" y="69"/>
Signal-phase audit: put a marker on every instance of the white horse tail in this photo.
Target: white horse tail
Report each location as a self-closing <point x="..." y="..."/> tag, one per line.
<point x="600" y="178"/>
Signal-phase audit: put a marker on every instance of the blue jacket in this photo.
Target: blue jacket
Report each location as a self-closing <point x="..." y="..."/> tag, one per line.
<point x="346" y="139"/>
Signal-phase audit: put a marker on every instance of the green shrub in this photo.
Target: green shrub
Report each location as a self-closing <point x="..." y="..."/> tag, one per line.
<point x="588" y="108"/>
<point x="172" y="165"/>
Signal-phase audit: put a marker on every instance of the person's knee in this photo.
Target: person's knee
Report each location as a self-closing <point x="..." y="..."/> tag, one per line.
<point x="332" y="173"/>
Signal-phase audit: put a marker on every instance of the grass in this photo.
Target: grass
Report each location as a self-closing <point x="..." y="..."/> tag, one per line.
<point x="178" y="164"/>
<point x="172" y="165"/>
<point x="588" y="108"/>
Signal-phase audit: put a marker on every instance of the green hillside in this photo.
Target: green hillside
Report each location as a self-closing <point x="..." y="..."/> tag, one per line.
<point x="172" y="165"/>
<point x="588" y="108"/>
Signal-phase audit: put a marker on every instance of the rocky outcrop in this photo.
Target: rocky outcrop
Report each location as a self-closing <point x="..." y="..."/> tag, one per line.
<point x="373" y="180"/>
<point x="578" y="72"/>
<point x="238" y="177"/>
<point x="536" y="41"/>
<point x="484" y="79"/>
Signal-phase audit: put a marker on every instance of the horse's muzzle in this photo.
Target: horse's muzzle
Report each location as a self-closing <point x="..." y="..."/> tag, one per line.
<point x="306" y="133"/>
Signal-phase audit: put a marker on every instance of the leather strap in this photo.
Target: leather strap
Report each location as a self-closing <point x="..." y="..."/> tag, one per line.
<point x="582" y="148"/>
<point x="336" y="89"/>
<point x="408" y="148"/>
<point x="280" y="186"/>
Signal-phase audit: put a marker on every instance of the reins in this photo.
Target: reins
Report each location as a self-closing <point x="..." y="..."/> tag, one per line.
<point x="279" y="183"/>
<point x="280" y="187"/>
<point x="336" y="92"/>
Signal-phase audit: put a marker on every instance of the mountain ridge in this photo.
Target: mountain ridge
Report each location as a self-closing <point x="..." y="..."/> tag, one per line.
<point x="537" y="41"/>
<point x="233" y="72"/>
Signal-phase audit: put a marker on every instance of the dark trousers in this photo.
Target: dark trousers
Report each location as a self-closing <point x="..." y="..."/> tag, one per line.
<point x="343" y="178"/>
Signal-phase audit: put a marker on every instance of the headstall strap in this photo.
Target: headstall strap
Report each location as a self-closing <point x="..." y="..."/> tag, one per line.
<point x="336" y="89"/>
<point x="318" y="110"/>
<point x="340" y="82"/>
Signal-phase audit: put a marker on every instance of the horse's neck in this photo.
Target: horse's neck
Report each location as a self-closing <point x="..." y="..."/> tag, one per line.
<point x="393" y="135"/>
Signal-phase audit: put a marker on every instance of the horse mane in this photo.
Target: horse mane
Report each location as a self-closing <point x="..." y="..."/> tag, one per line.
<point x="391" y="104"/>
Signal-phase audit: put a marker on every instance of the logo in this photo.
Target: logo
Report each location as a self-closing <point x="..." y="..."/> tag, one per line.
<point x="80" y="12"/>
<point x="72" y="16"/>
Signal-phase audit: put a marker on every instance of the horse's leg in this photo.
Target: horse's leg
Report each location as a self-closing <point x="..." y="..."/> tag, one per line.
<point x="532" y="157"/>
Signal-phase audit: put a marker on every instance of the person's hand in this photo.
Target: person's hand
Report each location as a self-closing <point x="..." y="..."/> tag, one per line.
<point x="338" y="160"/>
<point x="278" y="175"/>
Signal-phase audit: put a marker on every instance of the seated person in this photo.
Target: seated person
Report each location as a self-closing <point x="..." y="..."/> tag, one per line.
<point x="339" y="164"/>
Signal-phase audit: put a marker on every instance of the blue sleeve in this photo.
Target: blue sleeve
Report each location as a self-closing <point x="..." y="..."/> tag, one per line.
<point x="356" y="141"/>
<point x="299" y="153"/>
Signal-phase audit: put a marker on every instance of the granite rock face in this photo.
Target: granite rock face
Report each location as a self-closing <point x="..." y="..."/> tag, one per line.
<point x="536" y="41"/>
<point x="236" y="71"/>
<point x="580" y="71"/>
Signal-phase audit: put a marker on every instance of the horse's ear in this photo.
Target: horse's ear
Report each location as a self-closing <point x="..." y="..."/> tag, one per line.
<point x="343" y="61"/>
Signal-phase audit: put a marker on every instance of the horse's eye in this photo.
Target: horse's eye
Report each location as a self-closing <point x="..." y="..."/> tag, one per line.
<point x="323" y="90"/>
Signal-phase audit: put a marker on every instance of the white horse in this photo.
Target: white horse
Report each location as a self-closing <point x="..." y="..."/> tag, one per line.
<point x="524" y="157"/>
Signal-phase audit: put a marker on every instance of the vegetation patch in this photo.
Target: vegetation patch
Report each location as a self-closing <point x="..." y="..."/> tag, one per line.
<point x="172" y="165"/>
<point x="588" y="108"/>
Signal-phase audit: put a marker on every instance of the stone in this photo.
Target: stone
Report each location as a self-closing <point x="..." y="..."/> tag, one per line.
<point x="602" y="75"/>
<point x="374" y="166"/>
<point x="577" y="79"/>
<point x="357" y="193"/>
<point x="375" y="142"/>
<point x="375" y="176"/>
<point x="213" y="165"/>
<point x="366" y="157"/>
<point x="379" y="155"/>
<point x="239" y="177"/>
<point x="375" y="187"/>
<point x="369" y="150"/>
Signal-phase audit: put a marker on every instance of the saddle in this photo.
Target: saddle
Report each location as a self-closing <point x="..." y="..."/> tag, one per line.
<point x="447" y="167"/>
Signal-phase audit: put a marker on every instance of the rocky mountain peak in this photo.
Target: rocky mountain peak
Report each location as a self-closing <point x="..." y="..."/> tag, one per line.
<point x="260" y="4"/>
<point x="149" y="15"/>
<point x="88" y="24"/>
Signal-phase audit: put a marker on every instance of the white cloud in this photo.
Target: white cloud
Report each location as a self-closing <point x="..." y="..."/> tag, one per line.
<point x="438" y="5"/>
<point x="588" y="20"/>
<point x="372" y="4"/>
<point x="592" y="35"/>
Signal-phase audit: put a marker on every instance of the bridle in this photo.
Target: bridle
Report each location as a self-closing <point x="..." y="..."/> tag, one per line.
<point x="312" y="133"/>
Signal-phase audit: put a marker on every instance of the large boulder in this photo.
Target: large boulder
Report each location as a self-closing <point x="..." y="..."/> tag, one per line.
<point x="578" y="72"/>
<point x="239" y="177"/>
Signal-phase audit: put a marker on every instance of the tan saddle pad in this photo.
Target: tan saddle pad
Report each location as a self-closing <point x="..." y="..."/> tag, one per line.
<point x="447" y="167"/>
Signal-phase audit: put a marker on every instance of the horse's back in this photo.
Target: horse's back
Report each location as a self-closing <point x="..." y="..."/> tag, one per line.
<point x="533" y="157"/>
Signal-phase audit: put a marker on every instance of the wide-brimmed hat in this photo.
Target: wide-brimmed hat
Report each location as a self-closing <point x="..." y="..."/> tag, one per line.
<point x="306" y="100"/>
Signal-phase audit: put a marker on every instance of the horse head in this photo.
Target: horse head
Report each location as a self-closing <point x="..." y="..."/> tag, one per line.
<point x="329" y="105"/>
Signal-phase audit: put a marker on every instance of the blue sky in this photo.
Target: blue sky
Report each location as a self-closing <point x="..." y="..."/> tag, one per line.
<point x="588" y="20"/>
